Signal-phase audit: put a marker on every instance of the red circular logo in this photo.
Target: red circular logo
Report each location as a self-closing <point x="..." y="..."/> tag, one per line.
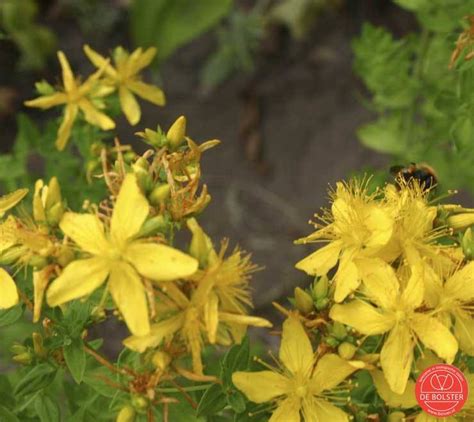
<point x="441" y="390"/>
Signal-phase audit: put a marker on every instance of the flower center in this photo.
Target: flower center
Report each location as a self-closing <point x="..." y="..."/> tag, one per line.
<point x="301" y="391"/>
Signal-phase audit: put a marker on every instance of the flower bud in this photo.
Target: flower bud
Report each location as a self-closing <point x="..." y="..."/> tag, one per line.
<point x="152" y="226"/>
<point x="396" y="417"/>
<point x="65" y="255"/>
<point x="339" y="331"/>
<point x="38" y="207"/>
<point x="11" y="255"/>
<point x="161" y="360"/>
<point x="126" y="414"/>
<point x="23" y="358"/>
<point x="55" y="213"/>
<point x="139" y="402"/>
<point x="201" y="245"/>
<point x="160" y="194"/>
<point x="38" y="262"/>
<point x="142" y="163"/>
<point x="176" y="132"/>
<point x="18" y="349"/>
<point x="322" y="303"/>
<point x="303" y="301"/>
<point x="38" y="345"/>
<point x="467" y="244"/>
<point x="346" y="350"/>
<point x="331" y="341"/>
<point x="321" y="287"/>
<point x="44" y="88"/>
<point x="460" y="221"/>
<point x="54" y="193"/>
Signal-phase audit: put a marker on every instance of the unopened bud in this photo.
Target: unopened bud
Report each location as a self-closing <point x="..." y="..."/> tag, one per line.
<point x="461" y="221"/>
<point x="467" y="244"/>
<point x="346" y="350"/>
<point x="320" y="288"/>
<point x="23" y="358"/>
<point x="126" y="414"/>
<point x="142" y="163"/>
<point x="38" y="262"/>
<point x="201" y="245"/>
<point x="176" y="132"/>
<point x="339" y="331"/>
<point x="322" y="303"/>
<point x="161" y="360"/>
<point x="38" y="345"/>
<point x="160" y="194"/>
<point x="152" y="226"/>
<point x="55" y="213"/>
<point x="18" y="349"/>
<point x="303" y="301"/>
<point x="65" y="255"/>
<point x="11" y="255"/>
<point x="54" y="193"/>
<point x="38" y="208"/>
<point x="139" y="402"/>
<point x="44" y="88"/>
<point x="396" y="417"/>
<point x="331" y="341"/>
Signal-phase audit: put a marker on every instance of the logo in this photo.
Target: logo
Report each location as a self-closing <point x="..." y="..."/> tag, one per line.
<point x="441" y="390"/>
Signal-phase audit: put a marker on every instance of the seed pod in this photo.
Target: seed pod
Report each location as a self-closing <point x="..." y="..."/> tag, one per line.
<point x="160" y="194"/>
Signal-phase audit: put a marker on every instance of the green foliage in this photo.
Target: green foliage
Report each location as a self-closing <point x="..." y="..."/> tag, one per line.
<point x="424" y="109"/>
<point x="169" y="24"/>
<point x="35" y="42"/>
<point x="238" y="42"/>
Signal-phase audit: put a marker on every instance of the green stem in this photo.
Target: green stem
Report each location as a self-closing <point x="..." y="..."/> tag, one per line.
<point x="175" y="390"/>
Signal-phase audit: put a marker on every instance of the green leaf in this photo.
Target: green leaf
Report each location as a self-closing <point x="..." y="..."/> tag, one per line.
<point x="36" y="379"/>
<point x="95" y="379"/>
<point x="413" y="5"/>
<point x="75" y="358"/>
<point x="169" y="24"/>
<point x="7" y="416"/>
<point x="11" y="315"/>
<point x="463" y="132"/>
<point x="236" y="359"/>
<point x="237" y="401"/>
<point x="46" y="409"/>
<point x="383" y="136"/>
<point x="212" y="401"/>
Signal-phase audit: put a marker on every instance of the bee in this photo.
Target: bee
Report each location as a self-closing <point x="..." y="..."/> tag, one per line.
<point x="422" y="173"/>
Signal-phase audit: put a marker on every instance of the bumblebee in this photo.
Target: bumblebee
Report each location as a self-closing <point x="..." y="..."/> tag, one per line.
<point x="422" y="173"/>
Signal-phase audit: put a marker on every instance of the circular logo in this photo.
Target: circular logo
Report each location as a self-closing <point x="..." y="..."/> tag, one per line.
<point x="441" y="390"/>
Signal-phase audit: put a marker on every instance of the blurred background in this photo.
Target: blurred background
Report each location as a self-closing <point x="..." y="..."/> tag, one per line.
<point x="302" y="93"/>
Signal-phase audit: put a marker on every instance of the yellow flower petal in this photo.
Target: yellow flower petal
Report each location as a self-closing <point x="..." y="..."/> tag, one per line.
<point x="128" y="293"/>
<point x="130" y="210"/>
<point x="317" y="410"/>
<point x="40" y="282"/>
<point x="380" y="225"/>
<point x="330" y="371"/>
<point x="287" y="411"/>
<point x="461" y="284"/>
<point x="261" y="386"/>
<point x="64" y="131"/>
<point x="347" y="277"/>
<point x="94" y="116"/>
<point x="86" y="230"/>
<point x="8" y="233"/>
<point x="464" y="332"/>
<point x="151" y="93"/>
<point x="405" y="400"/>
<point x="68" y="76"/>
<point x="99" y="61"/>
<point x="129" y="106"/>
<point x="211" y="316"/>
<point x="139" y="60"/>
<point x="380" y="281"/>
<point x="363" y="317"/>
<point x="396" y="357"/>
<point x="47" y="101"/>
<point x="434" y="335"/>
<point x="414" y="291"/>
<point x="9" y="200"/>
<point x="78" y="279"/>
<point x="296" y="351"/>
<point x="158" y="332"/>
<point x="321" y="261"/>
<point x="160" y="262"/>
<point x="244" y="320"/>
<point x="9" y="296"/>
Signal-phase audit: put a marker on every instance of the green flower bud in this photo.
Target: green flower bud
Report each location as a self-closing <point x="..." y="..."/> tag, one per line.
<point x="153" y="226"/>
<point x="346" y="350"/>
<point x="396" y="417"/>
<point x="321" y="303"/>
<point x="65" y="255"/>
<point x="460" y="221"/>
<point x="467" y="244"/>
<point x="38" y="346"/>
<point x="55" y="213"/>
<point x="160" y="194"/>
<point x="176" y="132"/>
<point x="140" y="403"/>
<point x="44" y="88"/>
<point x="23" y="358"/>
<point x="18" y="349"/>
<point x="126" y="414"/>
<point x="161" y="360"/>
<point x="331" y="341"/>
<point x="38" y="262"/>
<point x="321" y="287"/>
<point x="303" y="301"/>
<point x="11" y="255"/>
<point x="54" y="193"/>
<point x="339" y="331"/>
<point x="142" y="163"/>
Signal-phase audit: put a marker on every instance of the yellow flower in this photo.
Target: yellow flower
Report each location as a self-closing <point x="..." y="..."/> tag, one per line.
<point x="119" y="257"/>
<point x="10" y="200"/>
<point x="9" y="296"/>
<point x="395" y="313"/>
<point x="300" y="385"/>
<point x="454" y="300"/>
<point x="125" y="77"/>
<point x="357" y="226"/>
<point x="75" y="96"/>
